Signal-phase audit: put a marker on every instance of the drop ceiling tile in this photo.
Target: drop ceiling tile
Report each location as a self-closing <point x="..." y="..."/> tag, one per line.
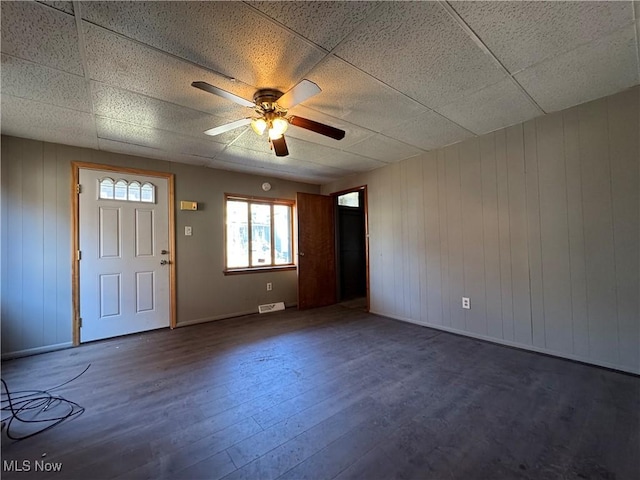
<point x="310" y="152"/>
<point x="349" y="162"/>
<point x="49" y="123"/>
<point x="258" y="143"/>
<point x="269" y="173"/>
<point x="491" y="108"/>
<point x="66" y="7"/>
<point x="154" y="138"/>
<point x="228" y="37"/>
<point x="522" y="34"/>
<point x="114" y="60"/>
<point x="324" y="23"/>
<point x="35" y="32"/>
<point x="356" y="97"/>
<point x="602" y="67"/>
<point x="141" y="110"/>
<point x="384" y="149"/>
<point x="428" y="131"/>
<point x="353" y="133"/>
<point x="252" y="158"/>
<point x="418" y="49"/>
<point x="33" y="81"/>
<point x="148" y="152"/>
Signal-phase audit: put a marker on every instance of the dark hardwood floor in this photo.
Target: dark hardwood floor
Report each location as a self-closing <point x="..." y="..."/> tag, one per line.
<point x="329" y="393"/>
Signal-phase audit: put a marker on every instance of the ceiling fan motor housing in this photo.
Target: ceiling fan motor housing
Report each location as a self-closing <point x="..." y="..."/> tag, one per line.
<point x="266" y="99"/>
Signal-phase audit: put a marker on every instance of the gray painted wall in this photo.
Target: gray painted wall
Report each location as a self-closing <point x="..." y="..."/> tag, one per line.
<point x="35" y="241"/>
<point x="537" y="223"/>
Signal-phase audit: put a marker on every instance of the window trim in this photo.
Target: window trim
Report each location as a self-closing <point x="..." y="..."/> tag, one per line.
<point x="264" y="201"/>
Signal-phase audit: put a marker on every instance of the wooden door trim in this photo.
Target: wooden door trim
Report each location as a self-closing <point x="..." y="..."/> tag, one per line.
<point x="75" y="236"/>
<point x="366" y="230"/>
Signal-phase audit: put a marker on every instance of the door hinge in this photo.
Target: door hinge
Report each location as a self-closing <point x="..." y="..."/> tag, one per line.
<point x="80" y="322"/>
<point x="79" y="255"/>
<point x="78" y="188"/>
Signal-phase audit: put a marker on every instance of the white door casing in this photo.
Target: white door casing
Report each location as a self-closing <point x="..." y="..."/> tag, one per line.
<point x="124" y="282"/>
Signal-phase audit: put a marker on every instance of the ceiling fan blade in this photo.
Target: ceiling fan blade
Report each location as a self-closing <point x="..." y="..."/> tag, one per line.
<point x="228" y="126"/>
<point x="222" y="93"/>
<point x="280" y="147"/>
<point x="320" y="128"/>
<point x="298" y="94"/>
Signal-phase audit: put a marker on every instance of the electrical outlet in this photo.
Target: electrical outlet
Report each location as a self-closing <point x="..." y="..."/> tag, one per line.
<point x="466" y="303"/>
<point x="269" y="286"/>
<point x="187" y="231"/>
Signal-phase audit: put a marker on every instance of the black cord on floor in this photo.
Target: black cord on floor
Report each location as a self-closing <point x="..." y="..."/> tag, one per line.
<point x="37" y="407"/>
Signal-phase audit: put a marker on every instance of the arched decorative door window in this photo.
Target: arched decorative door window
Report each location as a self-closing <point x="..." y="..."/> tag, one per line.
<point x="133" y="191"/>
<point x="106" y="188"/>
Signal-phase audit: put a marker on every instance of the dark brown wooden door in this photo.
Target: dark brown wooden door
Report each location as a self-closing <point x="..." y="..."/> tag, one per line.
<point x="316" y="251"/>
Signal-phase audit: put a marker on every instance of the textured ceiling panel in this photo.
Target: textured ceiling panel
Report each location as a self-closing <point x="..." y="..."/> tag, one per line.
<point x="323" y="23"/>
<point x="420" y="50"/>
<point x="428" y="131"/>
<point x="266" y="172"/>
<point x="354" y="96"/>
<point x="155" y="138"/>
<point x="41" y="34"/>
<point x="310" y="152"/>
<point x="384" y="149"/>
<point x="494" y="107"/>
<point x="63" y="6"/>
<point x="33" y="81"/>
<point x="390" y="65"/>
<point x="128" y="65"/>
<point x="522" y="34"/>
<point x="40" y="121"/>
<point x="138" y="109"/>
<point x="148" y="152"/>
<point x="283" y="164"/>
<point x="350" y="162"/>
<point x="228" y="37"/>
<point x="603" y="67"/>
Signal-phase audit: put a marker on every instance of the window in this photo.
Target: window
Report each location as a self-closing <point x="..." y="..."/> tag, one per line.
<point x="351" y="199"/>
<point x="126" y="191"/>
<point x="259" y="233"/>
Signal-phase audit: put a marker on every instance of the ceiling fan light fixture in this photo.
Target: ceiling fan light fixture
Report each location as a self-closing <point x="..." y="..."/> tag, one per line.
<point x="277" y="128"/>
<point x="274" y="135"/>
<point x="259" y="125"/>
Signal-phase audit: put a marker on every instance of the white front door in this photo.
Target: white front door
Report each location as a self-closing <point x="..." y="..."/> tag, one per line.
<point x="124" y="243"/>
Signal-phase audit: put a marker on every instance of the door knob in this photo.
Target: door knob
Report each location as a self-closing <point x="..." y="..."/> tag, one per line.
<point x="301" y="254"/>
<point x="164" y="262"/>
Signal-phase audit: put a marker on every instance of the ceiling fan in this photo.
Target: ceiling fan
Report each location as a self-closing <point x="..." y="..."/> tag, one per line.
<point x="271" y="108"/>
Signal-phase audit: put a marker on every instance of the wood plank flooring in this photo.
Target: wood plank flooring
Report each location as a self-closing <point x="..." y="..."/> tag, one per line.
<point x="333" y="393"/>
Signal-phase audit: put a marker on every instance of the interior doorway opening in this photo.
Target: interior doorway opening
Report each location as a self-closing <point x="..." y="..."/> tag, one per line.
<point x="352" y="248"/>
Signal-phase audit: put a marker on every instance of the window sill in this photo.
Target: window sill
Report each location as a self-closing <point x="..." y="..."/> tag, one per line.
<point x="242" y="271"/>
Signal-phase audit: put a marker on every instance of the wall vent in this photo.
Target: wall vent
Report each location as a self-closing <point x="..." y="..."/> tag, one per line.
<point x="271" y="307"/>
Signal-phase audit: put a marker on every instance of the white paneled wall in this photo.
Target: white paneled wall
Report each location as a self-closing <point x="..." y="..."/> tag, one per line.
<point x="538" y="224"/>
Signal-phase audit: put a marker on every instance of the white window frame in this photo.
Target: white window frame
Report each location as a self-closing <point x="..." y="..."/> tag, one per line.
<point x="260" y="201"/>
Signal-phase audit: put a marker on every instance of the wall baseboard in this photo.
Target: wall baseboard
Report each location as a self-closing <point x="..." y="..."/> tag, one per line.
<point x="225" y="316"/>
<point x="507" y="343"/>
<point x="35" y="351"/>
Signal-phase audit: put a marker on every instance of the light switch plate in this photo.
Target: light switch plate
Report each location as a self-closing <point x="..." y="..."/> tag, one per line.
<point x="188" y="231"/>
